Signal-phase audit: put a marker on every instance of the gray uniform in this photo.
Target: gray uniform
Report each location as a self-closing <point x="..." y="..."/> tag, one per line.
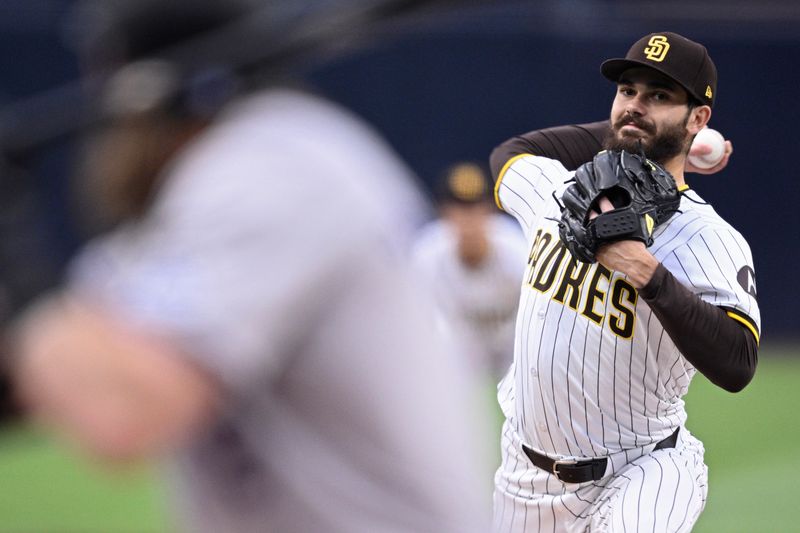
<point x="273" y="257"/>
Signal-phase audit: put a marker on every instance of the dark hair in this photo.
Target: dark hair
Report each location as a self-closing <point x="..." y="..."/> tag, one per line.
<point x="693" y="102"/>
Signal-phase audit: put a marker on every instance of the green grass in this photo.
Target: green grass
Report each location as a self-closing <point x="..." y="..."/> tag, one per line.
<point x="751" y="441"/>
<point x="47" y="489"/>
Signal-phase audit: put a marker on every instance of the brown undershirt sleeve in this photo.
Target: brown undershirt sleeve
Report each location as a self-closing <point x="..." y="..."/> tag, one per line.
<point x="573" y="145"/>
<point x="719" y="347"/>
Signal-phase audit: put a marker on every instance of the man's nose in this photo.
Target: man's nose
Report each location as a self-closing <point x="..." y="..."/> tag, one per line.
<point x="633" y="111"/>
<point x="635" y="107"/>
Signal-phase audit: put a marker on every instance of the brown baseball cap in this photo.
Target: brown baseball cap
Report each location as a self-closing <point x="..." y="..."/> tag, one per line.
<point x="681" y="59"/>
<point x="463" y="183"/>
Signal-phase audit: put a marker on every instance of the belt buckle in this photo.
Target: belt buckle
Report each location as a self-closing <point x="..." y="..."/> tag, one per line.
<point x="562" y="462"/>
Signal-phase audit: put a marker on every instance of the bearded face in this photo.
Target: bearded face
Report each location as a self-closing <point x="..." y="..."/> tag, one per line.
<point x="660" y="143"/>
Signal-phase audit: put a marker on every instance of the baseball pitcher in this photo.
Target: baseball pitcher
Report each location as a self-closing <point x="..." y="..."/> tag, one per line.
<point x="633" y="284"/>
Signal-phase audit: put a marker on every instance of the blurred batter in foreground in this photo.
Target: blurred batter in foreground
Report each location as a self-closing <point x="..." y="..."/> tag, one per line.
<point x="251" y="316"/>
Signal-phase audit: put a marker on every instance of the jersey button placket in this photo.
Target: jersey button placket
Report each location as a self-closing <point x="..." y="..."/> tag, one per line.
<point x="541" y="313"/>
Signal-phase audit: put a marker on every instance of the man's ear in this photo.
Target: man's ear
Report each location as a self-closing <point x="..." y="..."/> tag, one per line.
<point x="698" y="118"/>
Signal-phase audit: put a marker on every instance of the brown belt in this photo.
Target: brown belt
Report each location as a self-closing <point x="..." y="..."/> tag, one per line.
<point x="571" y="471"/>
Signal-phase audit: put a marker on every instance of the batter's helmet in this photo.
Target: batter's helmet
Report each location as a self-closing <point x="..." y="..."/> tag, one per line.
<point x="190" y="55"/>
<point x="136" y="49"/>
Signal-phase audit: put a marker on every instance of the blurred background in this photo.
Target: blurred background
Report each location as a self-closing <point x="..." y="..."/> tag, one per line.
<point x="450" y="87"/>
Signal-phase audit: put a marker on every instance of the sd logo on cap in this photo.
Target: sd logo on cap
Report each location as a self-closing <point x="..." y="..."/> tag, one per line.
<point x="675" y="56"/>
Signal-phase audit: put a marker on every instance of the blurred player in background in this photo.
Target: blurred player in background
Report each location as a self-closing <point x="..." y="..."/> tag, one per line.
<point x="472" y="258"/>
<point x="252" y="316"/>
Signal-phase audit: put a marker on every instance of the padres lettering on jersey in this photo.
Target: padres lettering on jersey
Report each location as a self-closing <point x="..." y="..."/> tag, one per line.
<point x="594" y="371"/>
<point x="580" y="286"/>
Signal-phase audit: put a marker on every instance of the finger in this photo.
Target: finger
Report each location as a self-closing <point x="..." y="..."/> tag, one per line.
<point x="604" y="204"/>
<point x="728" y="148"/>
<point x="698" y="149"/>
<point x="719" y="166"/>
<point x="716" y="168"/>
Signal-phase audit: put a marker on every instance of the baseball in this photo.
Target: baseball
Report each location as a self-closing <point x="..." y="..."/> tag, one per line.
<point x="716" y="141"/>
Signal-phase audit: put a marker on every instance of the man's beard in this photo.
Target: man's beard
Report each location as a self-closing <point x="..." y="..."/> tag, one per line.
<point x="660" y="147"/>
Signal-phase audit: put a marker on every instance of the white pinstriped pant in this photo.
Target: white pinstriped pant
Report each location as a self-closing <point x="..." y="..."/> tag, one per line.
<point x="663" y="491"/>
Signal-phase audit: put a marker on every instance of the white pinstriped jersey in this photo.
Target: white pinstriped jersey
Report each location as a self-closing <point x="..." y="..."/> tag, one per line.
<point x="594" y="372"/>
<point x="479" y="303"/>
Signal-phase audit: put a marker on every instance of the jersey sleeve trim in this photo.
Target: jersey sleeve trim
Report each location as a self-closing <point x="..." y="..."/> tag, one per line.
<point x="500" y="178"/>
<point x="745" y="320"/>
